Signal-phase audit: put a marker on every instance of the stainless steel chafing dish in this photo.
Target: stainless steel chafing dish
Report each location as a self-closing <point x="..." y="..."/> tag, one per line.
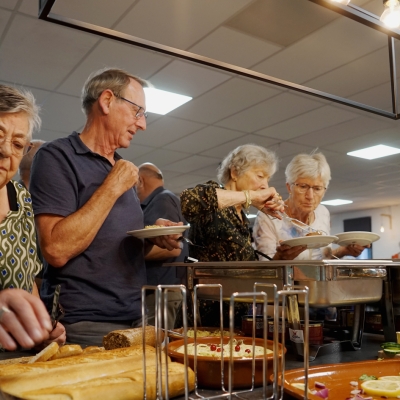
<point x="330" y="282"/>
<point x="341" y="282"/>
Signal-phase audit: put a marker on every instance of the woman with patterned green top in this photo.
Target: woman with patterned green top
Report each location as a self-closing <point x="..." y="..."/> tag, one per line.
<point x="19" y="262"/>
<point x="216" y="213"/>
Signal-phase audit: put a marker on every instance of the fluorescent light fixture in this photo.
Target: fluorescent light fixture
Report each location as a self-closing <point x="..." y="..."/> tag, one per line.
<point x="250" y="216"/>
<point x="162" y="102"/>
<point x="373" y="152"/>
<point x="336" y="202"/>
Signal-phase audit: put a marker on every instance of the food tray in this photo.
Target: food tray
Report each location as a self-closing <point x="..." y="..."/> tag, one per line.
<point x="337" y="377"/>
<point x="330" y="282"/>
<point x="341" y="282"/>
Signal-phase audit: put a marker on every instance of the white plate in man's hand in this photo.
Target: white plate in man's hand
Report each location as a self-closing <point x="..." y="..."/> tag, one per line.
<point x="161" y="231"/>
<point x="356" y="237"/>
<point x="312" y="242"/>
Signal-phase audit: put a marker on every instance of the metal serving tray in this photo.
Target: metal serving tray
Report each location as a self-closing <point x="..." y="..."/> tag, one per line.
<point x="330" y="282"/>
<point x="341" y="282"/>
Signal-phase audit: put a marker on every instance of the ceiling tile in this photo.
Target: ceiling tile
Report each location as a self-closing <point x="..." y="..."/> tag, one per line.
<point x="4" y="18"/>
<point x="62" y="113"/>
<point x="263" y="19"/>
<point x="269" y="112"/>
<point x="343" y="131"/>
<point x="119" y="55"/>
<point x="223" y="45"/>
<point x="134" y="151"/>
<point x="366" y="72"/>
<point x="99" y="12"/>
<point x="178" y="24"/>
<point x="222" y="151"/>
<point x="320" y="118"/>
<point x="161" y="157"/>
<point x="226" y="99"/>
<point x="192" y="163"/>
<point x="166" y="130"/>
<point x="204" y="139"/>
<point x="340" y="42"/>
<point x="9" y="4"/>
<point x="49" y="52"/>
<point x="178" y="76"/>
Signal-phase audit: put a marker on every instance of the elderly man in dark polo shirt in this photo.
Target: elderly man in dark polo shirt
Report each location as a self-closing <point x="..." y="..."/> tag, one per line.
<point x="85" y="202"/>
<point x="156" y="203"/>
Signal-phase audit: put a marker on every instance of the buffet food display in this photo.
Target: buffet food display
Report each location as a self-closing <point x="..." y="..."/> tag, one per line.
<point x="208" y="369"/>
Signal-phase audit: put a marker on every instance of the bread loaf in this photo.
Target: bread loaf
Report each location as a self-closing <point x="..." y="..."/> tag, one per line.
<point x="125" y="386"/>
<point x="83" y="358"/>
<point x="117" y="379"/>
<point x="129" y="337"/>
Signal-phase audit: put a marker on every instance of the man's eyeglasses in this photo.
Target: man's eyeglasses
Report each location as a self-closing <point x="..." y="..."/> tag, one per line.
<point x="18" y="144"/>
<point x="304" y="188"/>
<point x="139" y="114"/>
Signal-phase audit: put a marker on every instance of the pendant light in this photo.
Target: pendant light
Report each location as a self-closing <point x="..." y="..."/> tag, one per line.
<point x="391" y="15"/>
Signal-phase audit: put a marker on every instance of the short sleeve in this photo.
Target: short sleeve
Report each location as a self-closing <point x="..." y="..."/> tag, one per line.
<point x="200" y="203"/>
<point x="53" y="184"/>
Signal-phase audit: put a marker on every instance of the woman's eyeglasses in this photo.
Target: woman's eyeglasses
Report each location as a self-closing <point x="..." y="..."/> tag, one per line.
<point x="304" y="188"/>
<point x="18" y="144"/>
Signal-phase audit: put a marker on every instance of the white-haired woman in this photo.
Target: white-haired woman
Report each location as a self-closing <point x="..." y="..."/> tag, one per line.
<point x="217" y="217"/>
<point x="19" y="262"/>
<point x="307" y="179"/>
<point x="215" y="212"/>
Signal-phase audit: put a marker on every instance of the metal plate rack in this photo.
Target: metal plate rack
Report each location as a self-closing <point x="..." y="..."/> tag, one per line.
<point x="258" y="293"/>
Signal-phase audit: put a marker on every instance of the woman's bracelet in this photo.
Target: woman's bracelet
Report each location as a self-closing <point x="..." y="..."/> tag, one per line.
<point x="248" y="199"/>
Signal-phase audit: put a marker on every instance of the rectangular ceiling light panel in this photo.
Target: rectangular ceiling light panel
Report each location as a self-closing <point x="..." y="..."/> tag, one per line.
<point x="336" y="202"/>
<point x="162" y="102"/>
<point x="370" y="153"/>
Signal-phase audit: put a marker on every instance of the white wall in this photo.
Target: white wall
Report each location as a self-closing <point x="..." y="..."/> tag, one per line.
<point x="389" y="243"/>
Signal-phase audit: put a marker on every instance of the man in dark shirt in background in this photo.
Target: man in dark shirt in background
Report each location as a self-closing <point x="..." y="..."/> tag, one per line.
<point x="156" y="203"/>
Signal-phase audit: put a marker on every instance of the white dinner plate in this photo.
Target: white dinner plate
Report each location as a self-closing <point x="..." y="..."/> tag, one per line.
<point x="356" y="237"/>
<point x="162" y="231"/>
<point x="312" y="242"/>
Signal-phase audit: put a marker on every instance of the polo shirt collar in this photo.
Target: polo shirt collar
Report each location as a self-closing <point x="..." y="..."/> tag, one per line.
<point x="81" y="148"/>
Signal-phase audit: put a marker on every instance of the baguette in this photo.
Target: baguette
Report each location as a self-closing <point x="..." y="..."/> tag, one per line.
<point x="45" y="354"/>
<point x="13" y="369"/>
<point x="129" y="337"/>
<point x="125" y="386"/>
<point x="54" y="373"/>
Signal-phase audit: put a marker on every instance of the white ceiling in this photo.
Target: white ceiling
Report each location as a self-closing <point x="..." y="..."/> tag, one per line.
<point x="295" y="40"/>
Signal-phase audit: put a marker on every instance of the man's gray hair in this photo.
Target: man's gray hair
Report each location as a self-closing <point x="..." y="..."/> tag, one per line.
<point x="117" y="80"/>
<point x="245" y="157"/>
<point x="308" y="166"/>
<point x="14" y="100"/>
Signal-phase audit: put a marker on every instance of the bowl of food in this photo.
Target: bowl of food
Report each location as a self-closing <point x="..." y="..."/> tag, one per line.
<point x="209" y="352"/>
<point x="203" y="331"/>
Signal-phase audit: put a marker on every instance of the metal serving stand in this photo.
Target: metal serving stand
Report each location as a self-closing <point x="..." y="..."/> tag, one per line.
<point x="331" y="283"/>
